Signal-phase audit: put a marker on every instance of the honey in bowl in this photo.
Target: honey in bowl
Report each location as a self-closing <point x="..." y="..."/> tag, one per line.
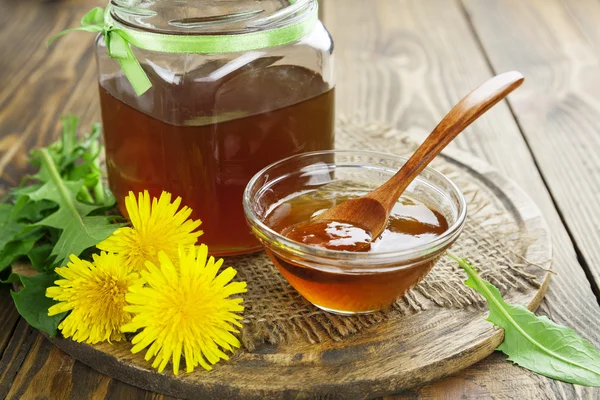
<point x="411" y="224"/>
<point x="425" y="222"/>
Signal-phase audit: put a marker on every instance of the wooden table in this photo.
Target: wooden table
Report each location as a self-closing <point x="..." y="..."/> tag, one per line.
<point x="403" y="62"/>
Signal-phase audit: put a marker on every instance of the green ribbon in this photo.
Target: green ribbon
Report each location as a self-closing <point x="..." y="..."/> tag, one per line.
<point x="119" y="38"/>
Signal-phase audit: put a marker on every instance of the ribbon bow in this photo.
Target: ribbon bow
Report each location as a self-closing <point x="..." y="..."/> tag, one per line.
<point x="99" y="21"/>
<point x="119" y="39"/>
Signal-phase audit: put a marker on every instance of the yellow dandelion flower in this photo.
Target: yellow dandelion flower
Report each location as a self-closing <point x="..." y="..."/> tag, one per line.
<point x="155" y="227"/>
<point x="185" y="310"/>
<point x="95" y="295"/>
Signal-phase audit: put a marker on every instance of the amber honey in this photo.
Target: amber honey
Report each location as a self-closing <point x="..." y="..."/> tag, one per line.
<point x="204" y="140"/>
<point x="411" y="224"/>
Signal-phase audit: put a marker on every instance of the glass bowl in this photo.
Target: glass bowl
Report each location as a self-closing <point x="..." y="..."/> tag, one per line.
<point x="340" y="281"/>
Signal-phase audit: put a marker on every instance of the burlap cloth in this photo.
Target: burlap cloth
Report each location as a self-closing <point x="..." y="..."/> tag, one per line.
<point x="276" y="313"/>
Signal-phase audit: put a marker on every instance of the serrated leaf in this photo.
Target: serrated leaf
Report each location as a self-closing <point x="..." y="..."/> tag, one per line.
<point x="80" y="235"/>
<point x="109" y="199"/>
<point x="32" y="303"/>
<point x="5" y="211"/>
<point x="40" y="257"/>
<point x="9" y="228"/>
<point x="82" y="172"/>
<point x="537" y="343"/>
<point x="18" y="248"/>
<point x="17" y="235"/>
<point x="27" y="210"/>
<point x="25" y="190"/>
<point x="79" y="231"/>
<point x="12" y="278"/>
<point x="64" y="194"/>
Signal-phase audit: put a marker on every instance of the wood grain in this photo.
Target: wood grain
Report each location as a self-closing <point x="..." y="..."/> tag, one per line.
<point x="40" y="84"/>
<point x="14" y="355"/>
<point x="494" y="378"/>
<point x="49" y="373"/>
<point x="9" y="317"/>
<point x="8" y="353"/>
<point x="407" y="62"/>
<point x="559" y="111"/>
<point x="586" y="14"/>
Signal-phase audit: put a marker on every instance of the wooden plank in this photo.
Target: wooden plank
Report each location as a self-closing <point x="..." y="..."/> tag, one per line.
<point x="40" y="84"/>
<point x="9" y="317"/>
<point x="49" y="373"/>
<point x="8" y="355"/>
<point x="559" y="111"/>
<point x="586" y="14"/>
<point x="406" y="62"/>
<point x="15" y="354"/>
<point x="493" y="378"/>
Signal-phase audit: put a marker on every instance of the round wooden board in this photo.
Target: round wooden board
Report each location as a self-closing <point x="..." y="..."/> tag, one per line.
<point x="396" y="354"/>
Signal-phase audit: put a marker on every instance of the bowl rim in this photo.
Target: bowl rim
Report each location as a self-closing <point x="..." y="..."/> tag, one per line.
<point x="353" y="260"/>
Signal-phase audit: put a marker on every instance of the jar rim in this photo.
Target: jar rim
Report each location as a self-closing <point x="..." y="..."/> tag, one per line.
<point x="234" y="23"/>
<point x="351" y="262"/>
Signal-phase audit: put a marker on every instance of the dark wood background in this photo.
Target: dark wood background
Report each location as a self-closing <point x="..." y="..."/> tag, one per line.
<point x="402" y="62"/>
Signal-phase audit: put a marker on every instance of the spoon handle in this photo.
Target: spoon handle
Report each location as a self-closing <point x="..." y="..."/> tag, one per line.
<point x="471" y="107"/>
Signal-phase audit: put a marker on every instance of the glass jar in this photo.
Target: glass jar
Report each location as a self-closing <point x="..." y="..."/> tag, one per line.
<point x="212" y="120"/>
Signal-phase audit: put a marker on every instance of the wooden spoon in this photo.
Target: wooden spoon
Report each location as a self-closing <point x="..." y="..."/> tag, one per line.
<point x="371" y="211"/>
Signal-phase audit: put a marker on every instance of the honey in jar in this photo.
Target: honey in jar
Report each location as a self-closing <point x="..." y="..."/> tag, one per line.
<point x="214" y="116"/>
<point x="209" y="162"/>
